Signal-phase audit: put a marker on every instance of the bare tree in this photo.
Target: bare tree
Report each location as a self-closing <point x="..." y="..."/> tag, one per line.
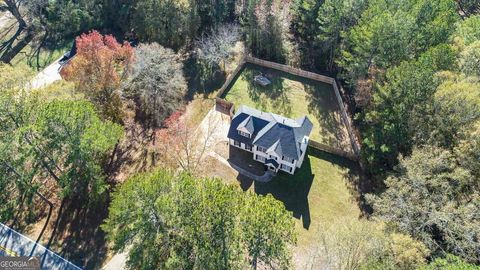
<point x="26" y="31"/>
<point x="217" y="47"/>
<point x="157" y="81"/>
<point x="183" y="146"/>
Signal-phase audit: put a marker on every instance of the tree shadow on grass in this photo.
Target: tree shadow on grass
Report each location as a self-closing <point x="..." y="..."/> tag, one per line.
<point x="78" y="237"/>
<point x="292" y="190"/>
<point x="272" y="97"/>
<point x="131" y="154"/>
<point x="323" y="104"/>
<point x="357" y="182"/>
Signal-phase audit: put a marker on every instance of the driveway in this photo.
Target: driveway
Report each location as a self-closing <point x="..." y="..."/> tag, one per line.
<point x="47" y="76"/>
<point x="214" y="127"/>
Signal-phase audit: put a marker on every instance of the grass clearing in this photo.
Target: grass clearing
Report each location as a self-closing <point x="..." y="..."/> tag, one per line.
<point x="45" y="57"/>
<point x="293" y="96"/>
<point x="198" y="108"/>
<point x="320" y="193"/>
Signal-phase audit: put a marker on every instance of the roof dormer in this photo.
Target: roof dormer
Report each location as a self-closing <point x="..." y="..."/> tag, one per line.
<point x="246" y="128"/>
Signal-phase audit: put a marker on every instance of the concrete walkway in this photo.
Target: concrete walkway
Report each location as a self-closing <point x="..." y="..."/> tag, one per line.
<point x="266" y="177"/>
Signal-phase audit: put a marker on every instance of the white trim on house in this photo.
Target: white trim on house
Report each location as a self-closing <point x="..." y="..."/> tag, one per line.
<point x="287" y="165"/>
<point x="268" y="129"/>
<point x="241" y="145"/>
<point x="244" y="134"/>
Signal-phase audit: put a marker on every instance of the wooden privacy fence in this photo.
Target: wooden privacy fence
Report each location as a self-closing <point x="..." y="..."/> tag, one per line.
<point x="332" y="150"/>
<point x="230" y="78"/>
<point x="221" y="103"/>
<point x="289" y="69"/>
<point x="223" y="106"/>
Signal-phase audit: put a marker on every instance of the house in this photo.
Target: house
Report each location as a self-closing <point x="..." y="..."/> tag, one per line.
<point x="278" y="142"/>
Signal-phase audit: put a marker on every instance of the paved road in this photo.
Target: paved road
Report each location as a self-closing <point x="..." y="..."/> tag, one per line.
<point x="47" y="76"/>
<point x="118" y="262"/>
<point x="13" y="243"/>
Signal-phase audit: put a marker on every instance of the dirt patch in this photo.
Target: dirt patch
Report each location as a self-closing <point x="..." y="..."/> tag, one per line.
<point x="213" y="168"/>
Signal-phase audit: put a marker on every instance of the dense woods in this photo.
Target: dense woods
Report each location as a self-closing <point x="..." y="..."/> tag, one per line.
<point x="411" y="71"/>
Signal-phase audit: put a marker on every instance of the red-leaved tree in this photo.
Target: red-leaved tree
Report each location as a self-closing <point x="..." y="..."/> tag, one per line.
<point x="98" y="68"/>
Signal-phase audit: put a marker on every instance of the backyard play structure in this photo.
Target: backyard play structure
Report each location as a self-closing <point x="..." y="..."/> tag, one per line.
<point x="227" y="107"/>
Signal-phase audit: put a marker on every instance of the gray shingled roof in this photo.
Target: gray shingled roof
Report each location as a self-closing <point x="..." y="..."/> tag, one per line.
<point x="248" y="124"/>
<point x="269" y="129"/>
<point x="273" y="162"/>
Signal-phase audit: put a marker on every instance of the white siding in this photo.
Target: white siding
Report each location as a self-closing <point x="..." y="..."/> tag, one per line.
<point x="241" y="146"/>
<point x="264" y="156"/>
<point x="303" y="147"/>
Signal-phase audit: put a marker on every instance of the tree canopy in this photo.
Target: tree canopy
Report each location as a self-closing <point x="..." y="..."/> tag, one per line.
<point x="157" y="81"/>
<point x="434" y="199"/>
<point x="172" y="221"/>
<point x="97" y="70"/>
<point x="61" y="140"/>
<point x="411" y="76"/>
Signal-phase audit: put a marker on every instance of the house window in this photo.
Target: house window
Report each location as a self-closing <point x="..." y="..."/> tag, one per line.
<point x="274" y="157"/>
<point x="286" y="168"/>
<point x="261" y="149"/>
<point x="244" y="134"/>
<point x="236" y="143"/>
<point x="248" y="147"/>
<point x="259" y="158"/>
<point x="287" y="159"/>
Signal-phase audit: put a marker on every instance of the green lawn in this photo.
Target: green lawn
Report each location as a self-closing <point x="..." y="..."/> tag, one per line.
<point x="321" y="191"/>
<point x="27" y="55"/>
<point x="45" y="57"/>
<point x="320" y="194"/>
<point x="292" y="96"/>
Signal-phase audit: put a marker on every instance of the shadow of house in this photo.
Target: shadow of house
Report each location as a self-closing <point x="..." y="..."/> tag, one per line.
<point x="292" y="190"/>
<point x="357" y="182"/>
<point x="324" y="106"/>
<point x="244" y="160"/>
